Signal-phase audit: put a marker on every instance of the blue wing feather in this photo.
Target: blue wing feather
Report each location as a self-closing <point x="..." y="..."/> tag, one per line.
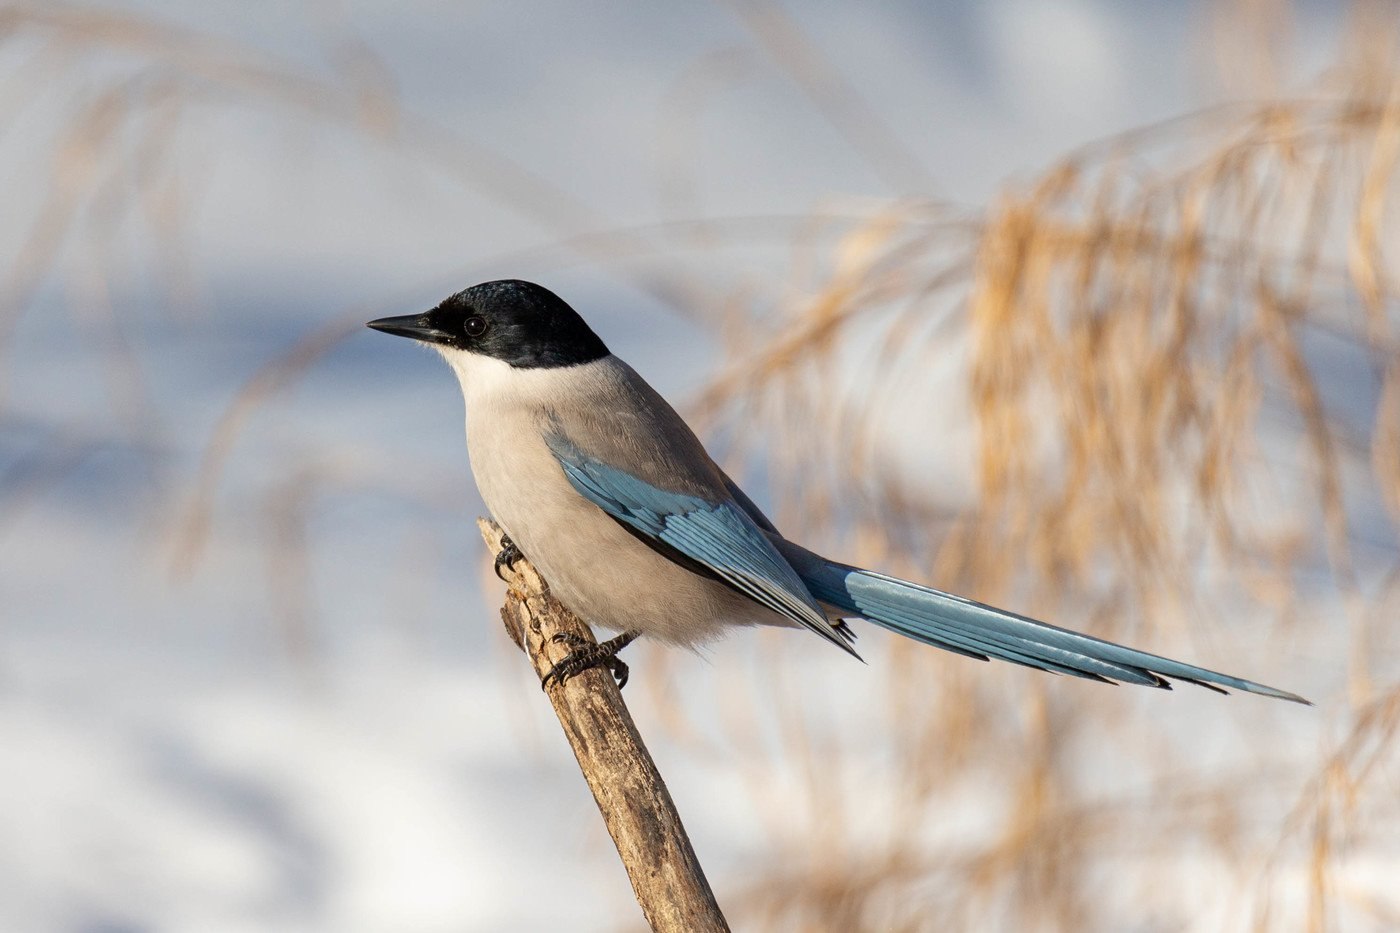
<point x="969" y="627"/>
<point x="720" y="536"/>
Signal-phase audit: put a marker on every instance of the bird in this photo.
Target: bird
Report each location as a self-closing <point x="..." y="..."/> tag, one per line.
<point x="607" y="491"/>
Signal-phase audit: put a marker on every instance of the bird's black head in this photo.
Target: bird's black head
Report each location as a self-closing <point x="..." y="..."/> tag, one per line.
<point x="519" y="323"/>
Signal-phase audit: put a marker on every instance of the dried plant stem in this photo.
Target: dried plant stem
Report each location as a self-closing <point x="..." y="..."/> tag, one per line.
<point x="641" y="818"/>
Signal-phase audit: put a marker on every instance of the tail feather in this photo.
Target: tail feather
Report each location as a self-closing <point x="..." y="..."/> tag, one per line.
<point x="980" y="631"/>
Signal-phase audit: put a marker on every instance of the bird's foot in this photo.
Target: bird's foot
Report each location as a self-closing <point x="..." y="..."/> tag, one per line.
<point x="507" y="557"/>
<point x="847" y="633"/>
<point x="586" y="655"/>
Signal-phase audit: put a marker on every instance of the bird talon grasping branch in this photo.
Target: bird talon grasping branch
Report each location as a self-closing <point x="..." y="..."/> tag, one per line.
<point x="507" y="558"/>
<point x="586" y="654"/>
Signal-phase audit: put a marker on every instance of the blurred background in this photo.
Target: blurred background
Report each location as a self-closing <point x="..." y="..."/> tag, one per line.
<point x="1083" y="308"/>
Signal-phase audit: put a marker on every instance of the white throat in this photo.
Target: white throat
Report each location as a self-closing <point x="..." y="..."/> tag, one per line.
<point x="486" y="380"/>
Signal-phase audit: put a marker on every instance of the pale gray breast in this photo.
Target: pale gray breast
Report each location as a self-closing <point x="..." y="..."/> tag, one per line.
<point x="598" y="568"/>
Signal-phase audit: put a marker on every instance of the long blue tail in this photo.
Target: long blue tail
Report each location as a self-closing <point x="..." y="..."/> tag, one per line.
<point x="980" y="631"/>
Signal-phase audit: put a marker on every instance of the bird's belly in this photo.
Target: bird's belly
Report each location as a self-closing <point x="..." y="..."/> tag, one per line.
<point x="593" y="565"/>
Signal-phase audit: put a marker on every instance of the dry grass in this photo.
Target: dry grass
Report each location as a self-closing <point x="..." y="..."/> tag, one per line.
<point x="1164" y="342"/>
<point x="1168" y="339"/>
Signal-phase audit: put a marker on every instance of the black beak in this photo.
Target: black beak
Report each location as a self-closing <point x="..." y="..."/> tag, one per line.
<point x="416" y="326"/>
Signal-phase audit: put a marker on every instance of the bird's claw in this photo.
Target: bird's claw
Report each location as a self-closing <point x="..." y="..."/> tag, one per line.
<point x="507" y="557"/>
<point x="586" y="654"/>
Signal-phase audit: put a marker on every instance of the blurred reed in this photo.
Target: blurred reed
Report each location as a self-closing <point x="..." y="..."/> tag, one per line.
<point x="1179" y="356"/>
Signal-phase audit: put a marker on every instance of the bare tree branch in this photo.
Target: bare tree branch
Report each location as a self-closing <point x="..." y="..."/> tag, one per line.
<point x="641" y="818"/>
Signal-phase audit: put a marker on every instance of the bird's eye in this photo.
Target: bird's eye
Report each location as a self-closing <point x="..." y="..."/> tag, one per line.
<point x="475" y="325"/>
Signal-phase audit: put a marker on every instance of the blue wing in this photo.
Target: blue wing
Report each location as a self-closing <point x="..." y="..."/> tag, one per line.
<point x="718" y="536"/>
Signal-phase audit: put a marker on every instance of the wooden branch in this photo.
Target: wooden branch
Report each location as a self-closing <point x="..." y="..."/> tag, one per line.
<point x="666" y="876"/>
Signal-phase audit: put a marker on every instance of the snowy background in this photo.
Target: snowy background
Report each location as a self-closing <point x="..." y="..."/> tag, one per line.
<point x="314" y="722"/>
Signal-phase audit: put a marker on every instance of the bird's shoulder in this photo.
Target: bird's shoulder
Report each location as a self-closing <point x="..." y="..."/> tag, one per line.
<point x="612" y="415"/>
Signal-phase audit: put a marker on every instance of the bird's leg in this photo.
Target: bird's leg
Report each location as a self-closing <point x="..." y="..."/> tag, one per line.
<point x="507" y="557"/>
<point x="586" y="655"/>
